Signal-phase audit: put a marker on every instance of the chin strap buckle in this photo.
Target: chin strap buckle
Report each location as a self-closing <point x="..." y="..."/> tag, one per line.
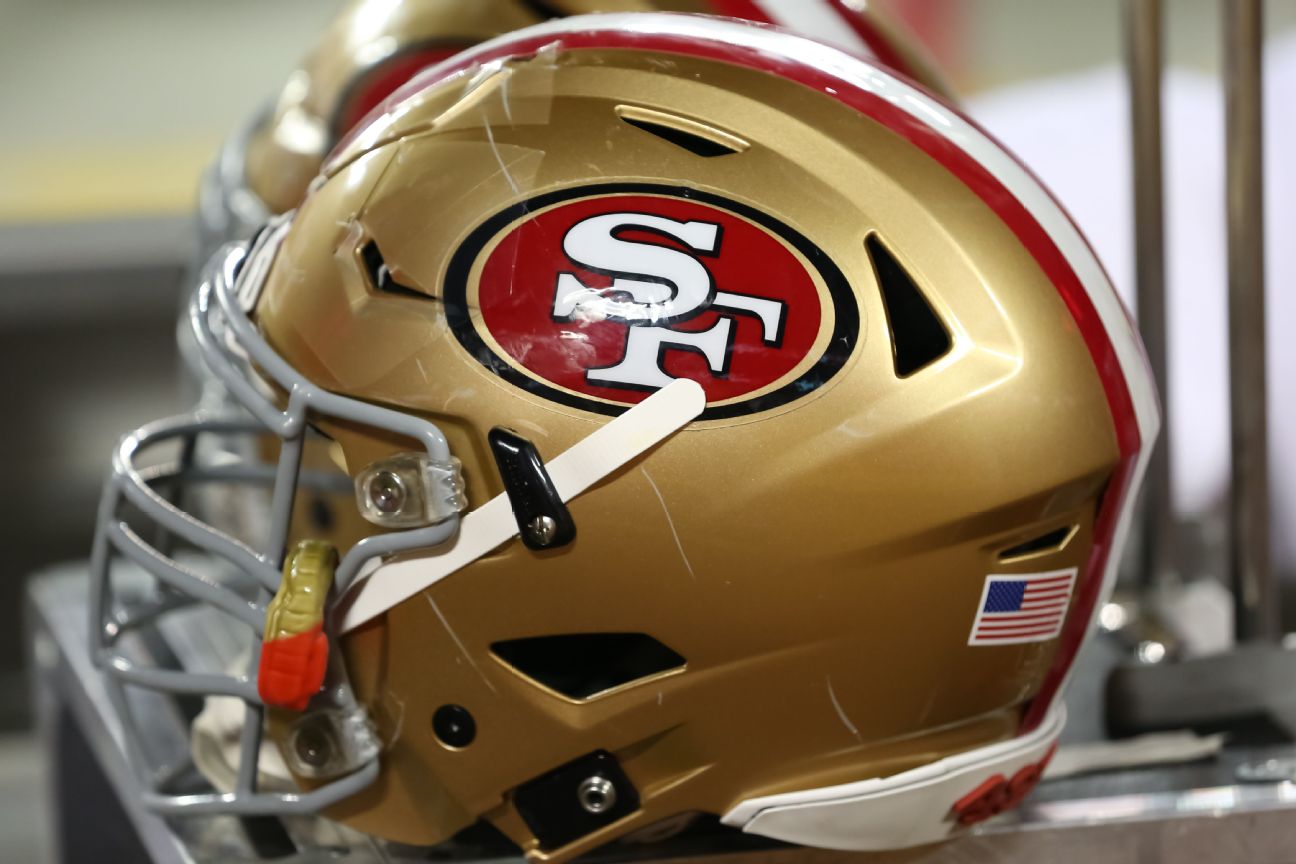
<point x="543" y="520"/>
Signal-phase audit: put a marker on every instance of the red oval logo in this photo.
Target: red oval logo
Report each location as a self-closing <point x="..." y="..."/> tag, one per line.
<point x="596" y="296"/>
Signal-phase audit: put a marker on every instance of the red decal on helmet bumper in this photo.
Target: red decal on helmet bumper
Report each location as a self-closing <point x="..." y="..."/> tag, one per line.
<point x="998" y="793"/>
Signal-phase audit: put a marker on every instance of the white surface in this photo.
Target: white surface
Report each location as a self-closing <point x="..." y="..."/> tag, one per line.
<point x="1074" y="133"/>
<point x="575" y="470"/>
<point x="1161" y="748"/>
<point x="816" y="19"/>
<point x="906" y="809"/>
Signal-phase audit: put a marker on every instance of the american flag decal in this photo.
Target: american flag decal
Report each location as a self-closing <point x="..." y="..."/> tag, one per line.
<point x="1026" y="608"/>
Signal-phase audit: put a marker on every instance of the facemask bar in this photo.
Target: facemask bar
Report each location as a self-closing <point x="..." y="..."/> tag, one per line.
<point x="231" y="348"/>
<point x="228" y="209"/>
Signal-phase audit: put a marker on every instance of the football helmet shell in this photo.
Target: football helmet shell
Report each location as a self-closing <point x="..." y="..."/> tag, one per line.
<point x="376" y="45"/>
<point x="922" y="400"/>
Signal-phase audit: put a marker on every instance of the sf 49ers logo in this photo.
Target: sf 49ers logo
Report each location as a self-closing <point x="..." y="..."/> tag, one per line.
<point x="596" y="296"/>
<point x="668" y="286"/>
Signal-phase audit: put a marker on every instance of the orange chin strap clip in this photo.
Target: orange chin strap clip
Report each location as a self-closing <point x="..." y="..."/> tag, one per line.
<point x="294" y="653"/>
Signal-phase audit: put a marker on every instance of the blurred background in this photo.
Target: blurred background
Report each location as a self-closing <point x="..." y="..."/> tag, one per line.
<point x="112" y="108"/>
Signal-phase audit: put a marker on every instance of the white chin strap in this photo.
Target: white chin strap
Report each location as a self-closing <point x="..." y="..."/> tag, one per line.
<point x="493" y="524"/>
<point x="214" y="743"/>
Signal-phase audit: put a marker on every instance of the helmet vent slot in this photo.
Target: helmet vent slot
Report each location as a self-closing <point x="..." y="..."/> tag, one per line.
<point x="697" y="138"/>
<point x="380" y="277"/>
<point x="581" y="665"/>
<point x="918" y="336"/>
<point x="1051" y="541"/>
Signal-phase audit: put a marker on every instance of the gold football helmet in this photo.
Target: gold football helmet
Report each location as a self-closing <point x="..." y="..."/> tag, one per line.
<point x="376" y="45"/>
<point x="795" y="432"/>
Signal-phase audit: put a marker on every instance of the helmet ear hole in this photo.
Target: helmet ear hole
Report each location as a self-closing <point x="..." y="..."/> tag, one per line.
<point x="583" y="665"/>
<point x="918" y="336"/>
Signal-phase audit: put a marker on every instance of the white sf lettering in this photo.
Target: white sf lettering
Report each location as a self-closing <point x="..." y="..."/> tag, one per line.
<point x="663" y="284"/>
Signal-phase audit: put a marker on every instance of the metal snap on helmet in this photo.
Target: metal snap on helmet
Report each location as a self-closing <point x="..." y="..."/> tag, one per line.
<point x="741" y="432"/>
